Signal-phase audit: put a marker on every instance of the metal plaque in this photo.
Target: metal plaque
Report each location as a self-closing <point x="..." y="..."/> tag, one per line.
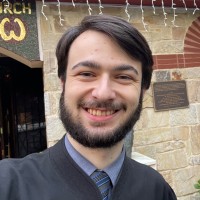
<point x="170" y="95"/>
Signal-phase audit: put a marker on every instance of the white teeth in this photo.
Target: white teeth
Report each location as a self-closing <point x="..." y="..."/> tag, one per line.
<point x="100" y="112"/>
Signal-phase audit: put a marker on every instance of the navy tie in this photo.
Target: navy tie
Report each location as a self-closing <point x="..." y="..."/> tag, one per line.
<point x="103" y="182"/>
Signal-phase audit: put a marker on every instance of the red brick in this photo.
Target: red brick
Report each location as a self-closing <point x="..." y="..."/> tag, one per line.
<point x="171" y="56"/>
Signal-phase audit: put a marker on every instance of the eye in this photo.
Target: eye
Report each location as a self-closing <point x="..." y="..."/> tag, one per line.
<point x="86" y="74"/>
<point x="124" y="77"/>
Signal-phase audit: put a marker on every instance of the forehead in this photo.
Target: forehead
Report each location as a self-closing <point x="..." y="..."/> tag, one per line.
<point x="99" y="47"/>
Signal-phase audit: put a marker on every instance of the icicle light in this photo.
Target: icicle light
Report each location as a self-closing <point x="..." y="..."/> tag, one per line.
<point x="89" y="8"/>
<point x="184" y="4"/>
<point x="174" y="10"/>
<point x="73" y="3"/>
<point x="143" y="22"/>
<point x="126" y="10"/>
<point x="42" y="10"/>
<point x="164" y="13"/>
<point x="59" y="13"/>
<point x="100" y="7"/>
<point x="154" y="11"/>
<point x="196" y="8"/>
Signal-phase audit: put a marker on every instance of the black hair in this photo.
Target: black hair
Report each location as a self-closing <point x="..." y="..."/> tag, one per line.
<point x="121" y="31"/>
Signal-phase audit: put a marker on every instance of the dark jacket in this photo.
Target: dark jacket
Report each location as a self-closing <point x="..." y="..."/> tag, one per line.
<point x="53" y="175"/>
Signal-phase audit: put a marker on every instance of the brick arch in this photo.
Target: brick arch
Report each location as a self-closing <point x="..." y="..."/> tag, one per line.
<point x="191" y="53"/>
<point x="192" y="38"/>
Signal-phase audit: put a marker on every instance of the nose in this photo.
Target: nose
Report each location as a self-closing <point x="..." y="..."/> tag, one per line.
<point x="104" y="90"/>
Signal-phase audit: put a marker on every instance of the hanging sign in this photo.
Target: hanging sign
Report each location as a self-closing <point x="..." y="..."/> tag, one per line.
<point x="170" y="95"/>
<point x="18" y="28"/>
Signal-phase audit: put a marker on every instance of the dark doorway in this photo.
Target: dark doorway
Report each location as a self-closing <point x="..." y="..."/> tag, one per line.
<point x="22" y="119"/>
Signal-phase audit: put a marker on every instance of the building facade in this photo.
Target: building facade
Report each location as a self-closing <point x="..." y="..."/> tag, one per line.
<point x="170" y="136"/>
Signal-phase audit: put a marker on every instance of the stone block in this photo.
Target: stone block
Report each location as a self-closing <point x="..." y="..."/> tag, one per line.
<point x="55" y="129"/>
<point x="191" y="73"/>
<point x="171" y="160"/>
<point x="178" y="33"/>
<point x="166" y="33"/>
<point x="180" y="133"/>
<point x="151" y="119"/>
<point x="184" y="116"/>
<point x="167" y="47"/>
<point x="51" y="82"/>
<point x="152" y="136"/>
<point x="195" y="139"/>
<point x="194" y="160"/>
<point x="193" y="90"/>
<point x="176" y="75"/>
<point x="147" y="150"/>
<point x="50" y="65"/>
<point x="54" y="98"/>
<point x="162" y="75"/>
<point x="169" y="146"/>
<point x="184" y="180"/>
<point x="47" y="104"/>
<point x="148" y="99"/>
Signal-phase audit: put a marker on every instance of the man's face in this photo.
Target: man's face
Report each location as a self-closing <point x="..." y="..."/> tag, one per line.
<point x="102" y="98"/>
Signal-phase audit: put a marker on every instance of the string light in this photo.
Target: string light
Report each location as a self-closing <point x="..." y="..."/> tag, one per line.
<point x="6" y="5"/>
<point x="89" y="8"/>
<point x="144" y="24"/>
<point x="59" y="13"/>
<point x="100" y="7"/>
<point x="42" y="10"/>
<point x="196" y="8"/>
<point x="174" y="10"/>
<point x="73" y="3"/>
<point x="154" y="11"/>
<point x="184" y="4"/>
<point x="164" y="13"/>
<point x="126" y="10"/>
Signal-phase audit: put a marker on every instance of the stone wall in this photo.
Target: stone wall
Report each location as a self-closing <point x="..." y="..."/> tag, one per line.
<point x="171" y="137"/>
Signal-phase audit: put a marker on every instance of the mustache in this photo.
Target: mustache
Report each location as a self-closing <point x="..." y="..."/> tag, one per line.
<point x="110" y="105"/>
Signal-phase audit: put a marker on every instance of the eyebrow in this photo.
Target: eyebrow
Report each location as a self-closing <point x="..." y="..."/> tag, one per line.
<point x="94" y="65"/>
<point x="126" y="67"/>
<point x="89" y="64"/>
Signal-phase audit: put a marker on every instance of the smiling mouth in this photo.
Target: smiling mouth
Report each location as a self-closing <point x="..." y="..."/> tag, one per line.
<point x="97" y="112"/>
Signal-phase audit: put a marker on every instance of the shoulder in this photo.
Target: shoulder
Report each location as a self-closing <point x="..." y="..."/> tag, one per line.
<point x="13" y="167"/>
<point x="144" y="173"/>
<point x="140" y="169"/>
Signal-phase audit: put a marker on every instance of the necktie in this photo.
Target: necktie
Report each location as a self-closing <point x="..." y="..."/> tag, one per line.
<point x="103" y="182"/>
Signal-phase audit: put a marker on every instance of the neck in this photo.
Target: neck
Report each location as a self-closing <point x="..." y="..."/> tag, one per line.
<point x="99" y="157"/>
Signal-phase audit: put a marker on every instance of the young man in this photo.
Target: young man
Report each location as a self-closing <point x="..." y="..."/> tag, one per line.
<point x="105" y="67"/>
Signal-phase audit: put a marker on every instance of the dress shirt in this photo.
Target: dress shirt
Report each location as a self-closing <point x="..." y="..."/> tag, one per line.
<point x="112" y="170"/>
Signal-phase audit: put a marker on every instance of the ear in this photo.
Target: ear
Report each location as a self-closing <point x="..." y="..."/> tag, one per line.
<point x="143" y="92"/>
<point x="62" y="83"/>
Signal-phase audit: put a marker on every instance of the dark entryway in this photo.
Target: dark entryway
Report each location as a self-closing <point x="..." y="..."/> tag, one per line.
<point x="22" y="119"/>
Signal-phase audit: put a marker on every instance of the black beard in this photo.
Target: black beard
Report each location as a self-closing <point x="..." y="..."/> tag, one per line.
<point x="82" y="136"/>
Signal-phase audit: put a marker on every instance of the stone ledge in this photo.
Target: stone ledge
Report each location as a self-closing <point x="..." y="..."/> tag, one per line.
<point x="143" y="159"/>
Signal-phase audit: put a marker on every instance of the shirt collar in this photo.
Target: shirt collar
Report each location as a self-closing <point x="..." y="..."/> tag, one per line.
<point x="112" y="170"/>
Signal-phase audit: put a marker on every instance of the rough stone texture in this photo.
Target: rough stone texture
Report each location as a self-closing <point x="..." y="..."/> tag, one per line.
<point x="159" y="119"/>
<point x="194" y="160"/>
<point x="51" y="82"/>
<point x="193" y="88"/>
<point x="172" y="137"/>
<point x="184" y="116"/>
<point x="191" y="73"/>
<point x="184" y="180"/>
<point x="171" y="160"/>
<point x="55" y="129"/>
<point x="195" y="139"/>
<point x="162" y="76"/>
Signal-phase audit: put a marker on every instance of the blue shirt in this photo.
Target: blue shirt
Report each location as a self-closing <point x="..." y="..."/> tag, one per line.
<point x="112" y="170"/>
